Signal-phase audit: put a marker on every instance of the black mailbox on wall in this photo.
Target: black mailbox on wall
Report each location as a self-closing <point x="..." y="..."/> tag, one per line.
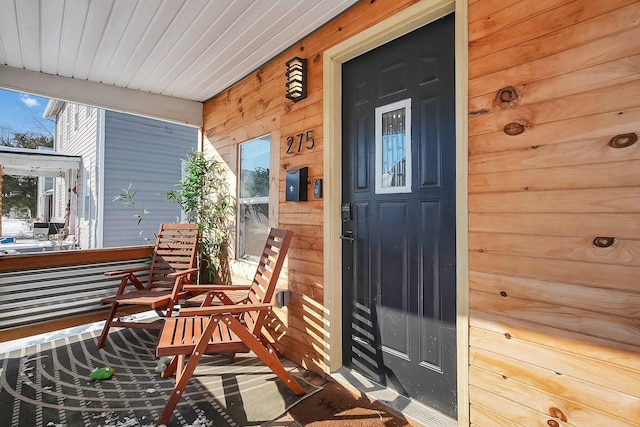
<point x="296" y="190"/>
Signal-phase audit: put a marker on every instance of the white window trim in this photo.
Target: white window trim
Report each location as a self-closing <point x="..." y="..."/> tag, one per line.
<point x="254" y="200"/>
<point x="406" y="104"/>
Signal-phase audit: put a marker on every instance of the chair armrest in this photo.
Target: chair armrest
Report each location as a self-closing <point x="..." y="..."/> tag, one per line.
<point x="128" y="271"/>
<point x="222" y="309"/>
<point x="207" y="287"/>
<point x="183" y="272"/>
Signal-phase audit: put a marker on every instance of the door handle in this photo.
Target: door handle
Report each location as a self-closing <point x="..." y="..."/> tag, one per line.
<point x="348" y="236"/>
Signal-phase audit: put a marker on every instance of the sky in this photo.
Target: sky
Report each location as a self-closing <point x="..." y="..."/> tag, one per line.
<point x="17" y="108"/>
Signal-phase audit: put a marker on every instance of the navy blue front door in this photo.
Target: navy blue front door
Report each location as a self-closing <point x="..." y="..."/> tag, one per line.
<point x="399" y="272"/>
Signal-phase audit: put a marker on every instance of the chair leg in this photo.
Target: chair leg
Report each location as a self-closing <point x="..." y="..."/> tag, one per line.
<point x="267" y="357"/>
<point x="171" y="368"/>
<point x="274" y="364"/>
<point x="107" y="326"/>
<point x="184" y="373"/>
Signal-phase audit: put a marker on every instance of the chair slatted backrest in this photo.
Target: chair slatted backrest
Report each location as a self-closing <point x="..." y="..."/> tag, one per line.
<point x="266" y="278"/>
<point x="175" y="251"/>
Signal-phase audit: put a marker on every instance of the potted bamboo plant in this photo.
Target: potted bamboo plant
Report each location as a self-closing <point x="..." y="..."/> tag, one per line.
<point x="205" y="197"/>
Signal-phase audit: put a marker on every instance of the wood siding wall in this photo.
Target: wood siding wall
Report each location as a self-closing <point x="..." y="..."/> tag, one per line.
<point x="257" y="106"/>
<point x="554" y="335"/>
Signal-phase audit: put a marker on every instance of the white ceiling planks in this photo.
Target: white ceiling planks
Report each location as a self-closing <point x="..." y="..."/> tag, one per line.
<point x="11" y="44"/>
<point x="147" y="53"/>
<point x="29" y="28"/>
<point x="206" y="30"/>
<point x="95" y="21"/>
<point x="251" y="51"/>
<point x="232" y="45"/>
<point x="188" y="49"/>
<point x="49" y="51"/>
<point x="73" y="27"/>
<point x="123" y="19"/>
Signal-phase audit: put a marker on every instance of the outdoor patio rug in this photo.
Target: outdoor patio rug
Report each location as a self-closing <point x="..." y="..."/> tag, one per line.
<point x="48" y="385"/>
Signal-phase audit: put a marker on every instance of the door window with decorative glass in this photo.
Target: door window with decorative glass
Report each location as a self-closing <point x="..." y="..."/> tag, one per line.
<point x="393" y="148"/>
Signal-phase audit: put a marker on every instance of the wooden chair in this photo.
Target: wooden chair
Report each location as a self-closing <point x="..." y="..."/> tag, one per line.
<point x="264" y="281"/>
<point x="226" y="328"/>
<point x="172" y="266"/>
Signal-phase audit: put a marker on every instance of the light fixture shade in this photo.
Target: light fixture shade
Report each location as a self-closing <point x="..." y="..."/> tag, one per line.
<point x="296" y="79"/>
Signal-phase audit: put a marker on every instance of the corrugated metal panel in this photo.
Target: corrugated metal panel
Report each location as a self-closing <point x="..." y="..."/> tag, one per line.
<point x="147" y="154"/>
<point x="39" y="295"/>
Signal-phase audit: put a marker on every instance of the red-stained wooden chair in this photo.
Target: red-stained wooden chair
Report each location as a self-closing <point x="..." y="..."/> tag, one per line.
<point x="226" y="328"/>
<point x="172" y="266"/>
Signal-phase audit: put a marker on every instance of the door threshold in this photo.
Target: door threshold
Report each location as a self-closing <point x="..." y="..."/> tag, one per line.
<point x="414" y="411"/>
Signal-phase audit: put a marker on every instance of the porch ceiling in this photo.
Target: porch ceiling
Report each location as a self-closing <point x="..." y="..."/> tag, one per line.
<point x="134" y="55"/>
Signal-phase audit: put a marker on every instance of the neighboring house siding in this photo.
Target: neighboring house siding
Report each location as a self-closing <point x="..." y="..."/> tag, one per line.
<point x="79" y="141"/>
<point x="144" y="152"/>
<point x="58" y="188"/>
<point x="59" y="205"/>
<point x="147" y="154"/>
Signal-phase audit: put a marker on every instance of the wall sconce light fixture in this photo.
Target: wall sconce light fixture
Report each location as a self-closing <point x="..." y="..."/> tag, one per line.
<point x="296" y="79"/>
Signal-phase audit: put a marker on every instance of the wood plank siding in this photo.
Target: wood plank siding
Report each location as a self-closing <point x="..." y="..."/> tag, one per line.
<point x="554" y="337"/>
<point x="553" y="330"/>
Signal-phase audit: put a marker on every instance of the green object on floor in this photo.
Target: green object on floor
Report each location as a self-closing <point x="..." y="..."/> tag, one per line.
<point x="163" y="364"/>
<point x="102" y="373"/>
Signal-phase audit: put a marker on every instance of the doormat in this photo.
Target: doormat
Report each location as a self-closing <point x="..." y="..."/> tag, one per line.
<point x="49" y="385"/>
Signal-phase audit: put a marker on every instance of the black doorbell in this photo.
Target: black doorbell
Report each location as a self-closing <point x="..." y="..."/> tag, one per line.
<point x="317" y="188"/>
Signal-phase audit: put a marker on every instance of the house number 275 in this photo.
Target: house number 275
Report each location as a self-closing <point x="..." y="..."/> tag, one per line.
<point x="303" y="139"/>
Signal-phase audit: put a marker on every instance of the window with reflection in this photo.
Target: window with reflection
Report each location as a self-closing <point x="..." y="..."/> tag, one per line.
<point x="253" y="197"/>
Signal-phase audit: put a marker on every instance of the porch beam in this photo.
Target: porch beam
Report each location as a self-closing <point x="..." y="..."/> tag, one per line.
<point x="109" y="97"/>
<point x="19" y="262"/>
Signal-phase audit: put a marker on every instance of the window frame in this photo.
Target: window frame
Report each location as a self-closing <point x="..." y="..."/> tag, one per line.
<point x="379" y="188"/>
<point x="254" y="200"/>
